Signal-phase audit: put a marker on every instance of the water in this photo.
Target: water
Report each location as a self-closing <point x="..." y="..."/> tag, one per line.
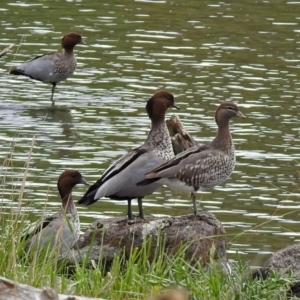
<point x="203" y="52"/>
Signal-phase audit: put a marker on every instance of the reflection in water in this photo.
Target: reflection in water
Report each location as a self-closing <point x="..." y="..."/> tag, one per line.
<point x="56" y="116"/>
<point x="203" y="53"/>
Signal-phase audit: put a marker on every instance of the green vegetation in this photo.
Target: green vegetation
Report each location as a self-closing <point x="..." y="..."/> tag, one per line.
<point x="131" y="279"/>
<point x="134" y="278"/>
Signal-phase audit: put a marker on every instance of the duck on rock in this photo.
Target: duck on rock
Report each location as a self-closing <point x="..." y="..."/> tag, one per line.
<point x="61" y="230"/>
<point x="119" y="181"/>
<point x="203" y="167"/>
<point x="52" y="67"/>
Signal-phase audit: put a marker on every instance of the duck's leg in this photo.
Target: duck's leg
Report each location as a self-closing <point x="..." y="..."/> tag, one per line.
<point x="52" y="92"/>
<point x="193" y="196"/>
<point x="129" y="210"/>
<point x="140" y="204"/>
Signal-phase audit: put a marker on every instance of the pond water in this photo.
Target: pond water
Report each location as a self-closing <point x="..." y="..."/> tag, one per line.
<point x="203" y="52"/>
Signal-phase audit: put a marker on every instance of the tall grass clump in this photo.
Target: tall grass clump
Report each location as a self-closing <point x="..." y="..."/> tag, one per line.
<point x="11" y="217"/>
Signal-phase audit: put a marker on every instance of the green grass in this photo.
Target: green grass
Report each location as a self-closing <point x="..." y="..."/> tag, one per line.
<point x="133" y="278"/>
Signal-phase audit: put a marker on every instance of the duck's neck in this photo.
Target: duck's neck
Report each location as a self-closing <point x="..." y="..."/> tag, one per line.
<point x="67" y="201"/>
<point x="159" y="140"/>
<point x="223" y="140"/>
<point x="68" y="52"/>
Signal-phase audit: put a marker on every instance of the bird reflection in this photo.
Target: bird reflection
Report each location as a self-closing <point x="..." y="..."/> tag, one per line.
<point x="61" y="115"/>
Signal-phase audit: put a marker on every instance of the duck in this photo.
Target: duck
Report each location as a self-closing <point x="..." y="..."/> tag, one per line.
<point x="52" y="67"/>
<point x="204" y="166"/>
<point x="119" y="181"/>
<point x="62" y="229"/>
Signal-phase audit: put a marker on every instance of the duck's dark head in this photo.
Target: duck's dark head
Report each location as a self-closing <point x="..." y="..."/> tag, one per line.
<point x="70" y="40"/>
<point x="158" y="104"/>
<point x="67" y="180"/>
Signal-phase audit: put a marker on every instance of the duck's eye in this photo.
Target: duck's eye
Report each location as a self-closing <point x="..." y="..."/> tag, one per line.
<point x="230" y="107"/>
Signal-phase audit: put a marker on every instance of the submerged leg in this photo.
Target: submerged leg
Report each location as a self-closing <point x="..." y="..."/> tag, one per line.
<point x="52" y="93"/>
<point x="141" y="213"/>
<point x="193" y="196"/>
<point x="129" y="210"/>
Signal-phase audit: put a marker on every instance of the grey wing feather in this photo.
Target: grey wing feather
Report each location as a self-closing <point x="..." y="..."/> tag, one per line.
<point x="36" y="227"/>
<point x="121" y="164"/>
<point x="125" y="182"/>
<point x="118" y="164"/>
<point x="41" y="67"/>
<point x="57" y="232"/>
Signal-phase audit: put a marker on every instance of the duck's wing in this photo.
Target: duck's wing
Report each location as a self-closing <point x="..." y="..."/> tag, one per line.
<point x="35" y="227"/>
<point x="123" y="185"/>
<point x="114" y="169"/>
<point x="57" y="233"/>
<point x="39" y="68"/>
<point x="178" y="164"/>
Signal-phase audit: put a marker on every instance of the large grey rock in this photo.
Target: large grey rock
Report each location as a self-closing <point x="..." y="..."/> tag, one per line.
<point x="105" y="238"/>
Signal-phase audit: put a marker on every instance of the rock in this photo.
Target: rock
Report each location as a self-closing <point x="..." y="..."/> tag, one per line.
<point x="105" y="238"/>
<point x="10" y="290"/>
<point x="283" y="261"/>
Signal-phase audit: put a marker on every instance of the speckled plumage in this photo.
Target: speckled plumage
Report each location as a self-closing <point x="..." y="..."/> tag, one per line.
<point x="201" y="167"/>
<point x="64" y="66"/>
<point x="62" y="229"/>
<point x="118" y="182"/>
<point x="159" y="141"/>
<point x="52" y="67"/>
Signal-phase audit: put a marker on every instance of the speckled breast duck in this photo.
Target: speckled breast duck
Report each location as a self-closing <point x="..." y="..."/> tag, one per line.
<point x="203" y="167"/>
<point x="52" y="67"/>
<point x="60" y="230"/>
<point x="119" y="181"/>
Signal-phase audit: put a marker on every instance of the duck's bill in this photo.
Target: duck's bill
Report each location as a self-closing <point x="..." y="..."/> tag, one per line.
<point x="83" y="181"/>
<point x="239" y="114"/>
<point x="176" y="106"/>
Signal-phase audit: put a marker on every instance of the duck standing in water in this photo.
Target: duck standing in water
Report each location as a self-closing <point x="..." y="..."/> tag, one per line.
<point x="119" y="181"/>
<point x="52" y="67"/>
<point x="203" y="167"/>
<point x="61" y="230"/>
